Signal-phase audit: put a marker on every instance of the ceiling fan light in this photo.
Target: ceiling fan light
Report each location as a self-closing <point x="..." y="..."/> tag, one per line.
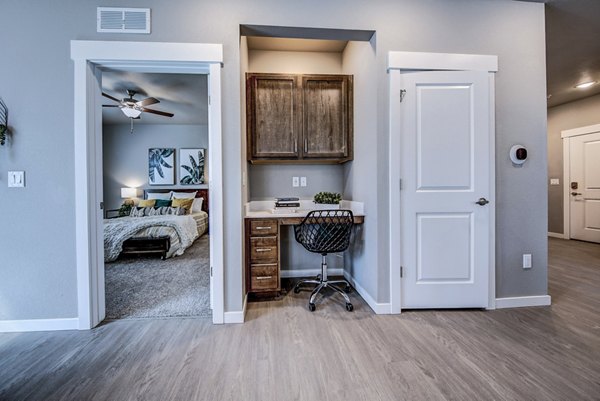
<point x="131" y="113"/>
<point x="584" y="85"/>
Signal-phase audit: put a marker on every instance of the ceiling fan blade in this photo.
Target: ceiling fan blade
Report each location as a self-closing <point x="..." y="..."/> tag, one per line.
<point x="110" y="105"/>
<point x="110" y="97"/>
<point x="160" y="113"/>
<point x="148" y="101"/>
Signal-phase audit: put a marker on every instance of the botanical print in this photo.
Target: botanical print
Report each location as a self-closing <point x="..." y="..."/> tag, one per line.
<point x="191" y="166"/>
<point x="160" y="166"/>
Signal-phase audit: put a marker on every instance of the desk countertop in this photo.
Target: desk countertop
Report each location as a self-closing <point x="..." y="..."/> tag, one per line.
<point x="263" y="209"/>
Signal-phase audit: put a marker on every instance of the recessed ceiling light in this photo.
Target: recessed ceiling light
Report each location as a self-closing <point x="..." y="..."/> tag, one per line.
<point x="585" y="85"/>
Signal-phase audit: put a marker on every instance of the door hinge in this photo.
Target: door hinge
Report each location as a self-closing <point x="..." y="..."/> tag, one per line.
<point x="211" y="271"/>
<point x="401" y="271"/>
<point x="101" y="205"/>
<point x="400" y="184"/>
<point x="402" y="94"/>
<point x="209" y="100"/>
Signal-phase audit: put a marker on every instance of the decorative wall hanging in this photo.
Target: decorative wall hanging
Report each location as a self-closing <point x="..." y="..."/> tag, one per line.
<point x="191" y="166"/>
<point x="3" y="122"/>
<point x="160" y="166"/>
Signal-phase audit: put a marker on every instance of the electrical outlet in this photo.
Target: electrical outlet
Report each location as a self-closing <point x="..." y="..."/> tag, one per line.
<point x="16" y="179"/>
<point x="302" y="181"/>
<point x="554" y="181"/>
<point x="526" y="261"/>
<point x="295" y="182"/>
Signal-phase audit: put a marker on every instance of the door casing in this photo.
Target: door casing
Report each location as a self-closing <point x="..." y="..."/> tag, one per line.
<point x="89" y="58"/>
<point x="417" y="61"/>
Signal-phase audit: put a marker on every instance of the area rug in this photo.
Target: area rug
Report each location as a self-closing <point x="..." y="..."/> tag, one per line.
<point x="147" y="287"/>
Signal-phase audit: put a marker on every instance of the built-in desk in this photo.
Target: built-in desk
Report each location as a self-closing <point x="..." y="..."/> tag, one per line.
<point x="262" y="241"/>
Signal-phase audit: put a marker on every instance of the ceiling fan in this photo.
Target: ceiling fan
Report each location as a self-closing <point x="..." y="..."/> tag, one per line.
<point x="133" y="108"/>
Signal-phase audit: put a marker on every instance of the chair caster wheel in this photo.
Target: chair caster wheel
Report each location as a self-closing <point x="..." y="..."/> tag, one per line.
<point x="347" y="289"/>
<point x="349" y="307"/>
<point x="296" y="290"/>
<point x="311" y="307"/>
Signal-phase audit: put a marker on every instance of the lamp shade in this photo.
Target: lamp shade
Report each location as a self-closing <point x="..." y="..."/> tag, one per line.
<point x="130" y="112"/>
<point x="127" y="193"/>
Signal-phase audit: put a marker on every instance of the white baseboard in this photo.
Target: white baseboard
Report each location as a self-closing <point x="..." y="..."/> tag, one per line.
<point x="12" y="326"/>
<point x="520" y="302"/>
<point x="309" y="273"/>
<point x="378" y="308"/>
<point x="236" y="316"/>
<point x="556" y="235"/>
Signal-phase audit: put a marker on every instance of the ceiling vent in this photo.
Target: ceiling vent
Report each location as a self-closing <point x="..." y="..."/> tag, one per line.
<point x="123" y="20"/>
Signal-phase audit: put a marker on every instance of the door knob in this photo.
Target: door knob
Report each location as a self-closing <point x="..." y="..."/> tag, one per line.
<point x="575" y="193"/>
<point x="482" y="202"/>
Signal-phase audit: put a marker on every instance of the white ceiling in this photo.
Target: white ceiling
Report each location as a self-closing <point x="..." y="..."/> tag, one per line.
<point x="185" y="95"/>
<point x="572" y="49"/>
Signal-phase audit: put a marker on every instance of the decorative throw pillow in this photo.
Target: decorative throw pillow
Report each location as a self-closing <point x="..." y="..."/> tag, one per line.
<point x="162" y="203"/>
<point x="184" y="203"/>
<point x="147" y="203"/>
<point x="159" y="195"/>
<point x="140" y="211"/>
<point x="183" y="195"/>
<point x="197" y="205"/>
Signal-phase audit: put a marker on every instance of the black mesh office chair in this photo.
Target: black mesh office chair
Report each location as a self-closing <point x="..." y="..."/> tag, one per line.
<point x="325" y="231"/>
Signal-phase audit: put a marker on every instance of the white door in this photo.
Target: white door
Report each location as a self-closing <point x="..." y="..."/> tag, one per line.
<point x="584" y="187"/>
<point x="445" y="170"/>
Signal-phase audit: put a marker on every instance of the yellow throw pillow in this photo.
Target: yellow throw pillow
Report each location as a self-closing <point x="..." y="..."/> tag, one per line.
<point x="185" y="203"/>
<point x="147" y="203"/>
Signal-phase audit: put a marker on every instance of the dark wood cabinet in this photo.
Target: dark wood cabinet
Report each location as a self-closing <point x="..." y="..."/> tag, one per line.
<point x="262" y="255"/>
<point x="299" y="118"/>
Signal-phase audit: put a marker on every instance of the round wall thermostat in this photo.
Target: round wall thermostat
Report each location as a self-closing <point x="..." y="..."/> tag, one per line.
<point x="518" y="154"/>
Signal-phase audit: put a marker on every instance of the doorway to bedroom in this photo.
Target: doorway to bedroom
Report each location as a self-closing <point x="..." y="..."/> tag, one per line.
<point x="155" y="194"/>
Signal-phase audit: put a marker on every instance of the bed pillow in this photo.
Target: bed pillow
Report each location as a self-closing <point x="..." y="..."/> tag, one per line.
<point x="184" y="203"/>
<point x="140" y="211"/>
<point x="147" y="203"/>
<point x="197" y="205"/>
<point x="183" y="195"/>
<point x="162" y="203"/>
<point x="159" y="195"/>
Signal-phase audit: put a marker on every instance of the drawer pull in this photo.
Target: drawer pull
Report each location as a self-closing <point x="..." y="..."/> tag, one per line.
<point x="264" y="277"/>
<point x="263" y="249"/>
<point x="264" y="228"/>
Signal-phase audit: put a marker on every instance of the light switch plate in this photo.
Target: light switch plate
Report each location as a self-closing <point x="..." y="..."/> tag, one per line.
<point x="526" y="261"/>
<point x="295" y="182"/>
<point x="302" y="181"/>
<point x="16" y="179"/>
<point x="554" y="181"/>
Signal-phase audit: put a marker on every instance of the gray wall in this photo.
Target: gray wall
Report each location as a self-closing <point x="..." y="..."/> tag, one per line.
<point x="125" y="155"/>
<point x="566" y="116"/>
<point x="39" y="280"/>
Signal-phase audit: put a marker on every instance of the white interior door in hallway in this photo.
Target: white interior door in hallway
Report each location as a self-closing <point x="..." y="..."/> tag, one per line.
<point x="583" y="186"/>
<point x="445" y="197"/>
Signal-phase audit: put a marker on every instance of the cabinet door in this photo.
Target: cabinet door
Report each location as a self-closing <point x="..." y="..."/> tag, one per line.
<point x="327" y="125"/>
<point x="273" y="125"/>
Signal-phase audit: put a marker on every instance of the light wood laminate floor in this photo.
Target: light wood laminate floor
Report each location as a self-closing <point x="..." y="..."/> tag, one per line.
<point x="284" y="352"/>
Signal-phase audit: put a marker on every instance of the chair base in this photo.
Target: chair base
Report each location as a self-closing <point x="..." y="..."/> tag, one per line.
<point x="321" y="282"/>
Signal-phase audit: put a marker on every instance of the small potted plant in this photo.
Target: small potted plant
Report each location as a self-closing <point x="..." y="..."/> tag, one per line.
<point x="327" y="200"/>
<point x="3" y="122"/>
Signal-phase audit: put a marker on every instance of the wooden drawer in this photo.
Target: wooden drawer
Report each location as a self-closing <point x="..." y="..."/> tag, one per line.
<point x="263" y="249"/>
<point x="264" y="277"/>
<point x="263" y="227"/>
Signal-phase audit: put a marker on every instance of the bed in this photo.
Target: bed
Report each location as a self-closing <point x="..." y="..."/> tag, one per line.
<point x="174" y="233"/>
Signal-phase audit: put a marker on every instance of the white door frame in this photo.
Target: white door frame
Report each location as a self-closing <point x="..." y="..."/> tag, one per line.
<point x="89" y="58"/>
<point x="413" y="61"/>
<point x="566" y="135"/>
